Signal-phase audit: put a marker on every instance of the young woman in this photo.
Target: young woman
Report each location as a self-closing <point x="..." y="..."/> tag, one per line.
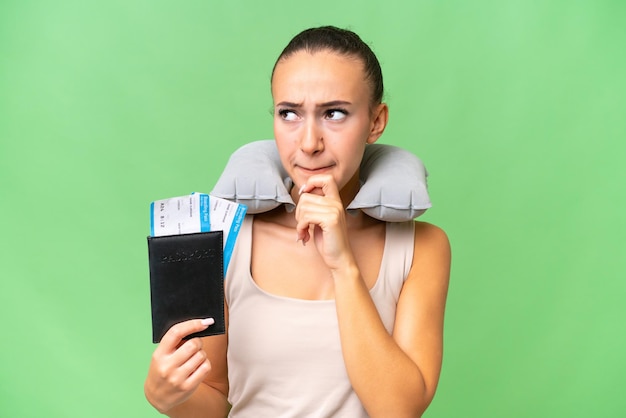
<point x="329" y="313"/>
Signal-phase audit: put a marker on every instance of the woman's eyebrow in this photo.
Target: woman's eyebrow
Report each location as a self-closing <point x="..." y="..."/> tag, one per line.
<point x="332" y="103"/>
<point x="289" y="104"/>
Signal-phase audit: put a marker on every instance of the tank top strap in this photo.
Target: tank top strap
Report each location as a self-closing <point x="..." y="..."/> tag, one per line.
<point x="400" y="242"/>
<point x="394" y="269"/>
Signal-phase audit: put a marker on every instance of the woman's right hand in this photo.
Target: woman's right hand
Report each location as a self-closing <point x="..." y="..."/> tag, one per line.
<point x="178" y="366"/>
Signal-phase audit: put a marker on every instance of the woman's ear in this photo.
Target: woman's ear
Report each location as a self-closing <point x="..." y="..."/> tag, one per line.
<point x="380" y="116"/>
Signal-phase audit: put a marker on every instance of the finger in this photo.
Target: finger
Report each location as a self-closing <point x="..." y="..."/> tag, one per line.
<point x="324" y="182"/>
<point x="192" y="363"/>
<point x="302" y="232"/>
<point x="186" y="351"/>
<point x="302" y="228"/>
<point x="197" y="375"/>
<point x="315" y="210"/>
<point x="309" y="188"/>
<point x="175" y="368"/>
<point x="175" y="335"/>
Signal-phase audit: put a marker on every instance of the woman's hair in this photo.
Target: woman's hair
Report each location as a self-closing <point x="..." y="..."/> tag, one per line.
<point x="343" y="42"/>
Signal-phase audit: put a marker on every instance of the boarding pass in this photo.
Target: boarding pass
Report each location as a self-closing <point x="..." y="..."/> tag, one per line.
<point x="198" y="212"/>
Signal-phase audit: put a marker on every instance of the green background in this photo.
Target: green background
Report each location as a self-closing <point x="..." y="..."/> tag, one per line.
<point x="517" y="108"/>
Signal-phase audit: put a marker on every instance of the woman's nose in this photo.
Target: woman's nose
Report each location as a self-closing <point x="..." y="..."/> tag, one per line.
<point x="312" y="141"/>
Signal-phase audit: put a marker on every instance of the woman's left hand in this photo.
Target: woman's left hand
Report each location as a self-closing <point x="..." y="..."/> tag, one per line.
<point x="321" y="208"/>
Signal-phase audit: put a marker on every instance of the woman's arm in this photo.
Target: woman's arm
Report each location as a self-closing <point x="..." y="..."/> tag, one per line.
<point x="205" y="402"/>
<point x="393" y="375"/>
<point x="397" y="375"/>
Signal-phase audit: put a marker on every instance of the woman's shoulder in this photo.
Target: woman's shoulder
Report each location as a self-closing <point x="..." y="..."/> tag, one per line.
<point x="430" y="239"/>
<point x="429" y="231"/>
<point x="430" y="268"/>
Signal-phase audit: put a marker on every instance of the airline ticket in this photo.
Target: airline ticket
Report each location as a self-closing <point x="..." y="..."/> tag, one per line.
<point x="198" y="212"/>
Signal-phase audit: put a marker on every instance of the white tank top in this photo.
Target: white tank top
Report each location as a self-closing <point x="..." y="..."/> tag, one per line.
<point x="284" y="354"/>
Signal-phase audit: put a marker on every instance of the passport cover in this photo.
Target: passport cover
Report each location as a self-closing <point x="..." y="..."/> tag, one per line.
<point x="186" y="281"/>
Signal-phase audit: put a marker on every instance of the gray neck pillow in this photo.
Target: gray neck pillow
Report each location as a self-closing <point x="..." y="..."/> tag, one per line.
<point x="393" y="182"/>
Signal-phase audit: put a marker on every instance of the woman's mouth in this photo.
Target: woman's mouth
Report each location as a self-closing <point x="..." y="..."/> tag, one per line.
<point x="315" y="170"/>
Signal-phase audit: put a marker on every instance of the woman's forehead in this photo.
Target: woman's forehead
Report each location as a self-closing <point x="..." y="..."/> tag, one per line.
<point x="324" y="72"/>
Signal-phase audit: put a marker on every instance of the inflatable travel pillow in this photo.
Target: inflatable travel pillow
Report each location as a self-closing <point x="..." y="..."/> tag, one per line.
<point x="393" y="182"/>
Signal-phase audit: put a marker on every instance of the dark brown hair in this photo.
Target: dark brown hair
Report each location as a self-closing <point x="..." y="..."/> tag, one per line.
<point x="341" y="41"/>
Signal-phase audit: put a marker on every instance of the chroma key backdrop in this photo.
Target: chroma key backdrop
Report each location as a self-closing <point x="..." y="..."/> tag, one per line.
<point x="517" y="108"/>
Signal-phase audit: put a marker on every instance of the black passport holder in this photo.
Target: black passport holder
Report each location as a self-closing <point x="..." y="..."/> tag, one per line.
<point x="186" y="281"/>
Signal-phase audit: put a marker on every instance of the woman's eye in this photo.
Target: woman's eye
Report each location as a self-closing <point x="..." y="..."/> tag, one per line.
<point x="336" y="114"/>
<point x="287" y="115"/>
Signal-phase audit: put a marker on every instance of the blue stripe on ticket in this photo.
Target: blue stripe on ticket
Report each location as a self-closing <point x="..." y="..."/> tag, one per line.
<point x="232" y="235"/>
<point x="152" y="219"/>
<point x="205" y="217"/>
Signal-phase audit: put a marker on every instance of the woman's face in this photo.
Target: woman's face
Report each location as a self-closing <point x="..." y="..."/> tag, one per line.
<point x="323" y="116"/>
